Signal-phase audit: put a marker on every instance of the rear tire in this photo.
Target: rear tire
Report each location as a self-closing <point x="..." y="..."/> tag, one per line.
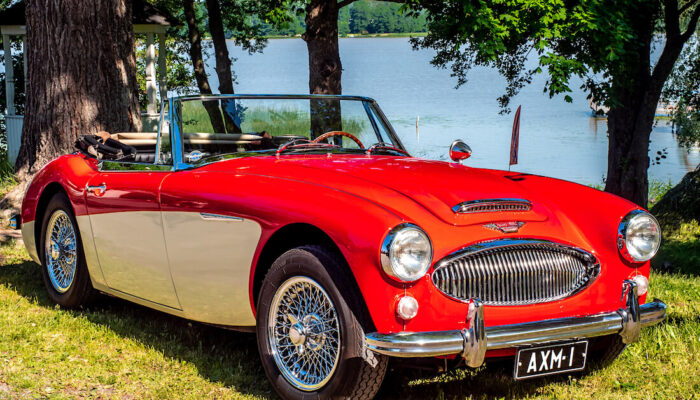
<point x="340" y="364"/>
<point x="64" y="271"/>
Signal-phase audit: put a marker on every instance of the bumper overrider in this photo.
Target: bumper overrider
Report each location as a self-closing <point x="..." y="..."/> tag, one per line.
<point x="473" y="342"/>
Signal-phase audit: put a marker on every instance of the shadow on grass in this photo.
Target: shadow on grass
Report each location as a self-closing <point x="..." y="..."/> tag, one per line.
<point x="231" y="358"/>
<point x="682" y="256"/>
<point x="494" y="381"/>
<point x="227" y="357"/>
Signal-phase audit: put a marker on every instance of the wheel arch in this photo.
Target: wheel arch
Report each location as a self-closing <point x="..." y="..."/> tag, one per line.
<point x="300" y="234"/>
<point x="49" y="191"/>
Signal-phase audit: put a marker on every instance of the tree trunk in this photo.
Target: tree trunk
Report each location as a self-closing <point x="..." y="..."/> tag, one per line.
<point x="325" y="68"/>
<point x="628" y="152"/>
<point x="82" y="77"/>
<point x="200" y="74"/>
<point x="223" y="64"/>
<point x="631" y="120"/>
<point x="218" y="37"/>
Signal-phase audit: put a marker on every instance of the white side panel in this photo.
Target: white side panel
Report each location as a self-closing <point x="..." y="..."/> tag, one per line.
<point x="131" y="252"/>
<point x="93" y="263"/>
<point x="210" y="259"/>
<point x="29" y="241"/>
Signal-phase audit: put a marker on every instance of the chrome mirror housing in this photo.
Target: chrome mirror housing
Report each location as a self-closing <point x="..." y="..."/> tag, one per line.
<point x="460" y="151"/>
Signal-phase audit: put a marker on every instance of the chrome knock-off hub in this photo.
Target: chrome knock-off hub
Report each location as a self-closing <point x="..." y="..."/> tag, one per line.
<point x="61" y="251"/>
<point x="304" y="333"/>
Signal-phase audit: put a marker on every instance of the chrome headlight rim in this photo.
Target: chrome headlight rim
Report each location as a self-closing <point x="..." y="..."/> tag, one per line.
<point x="622" y="237"/>
<point x="385" y="253"/>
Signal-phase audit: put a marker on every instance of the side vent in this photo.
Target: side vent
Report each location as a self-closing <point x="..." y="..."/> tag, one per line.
<point x="492" y="205"/>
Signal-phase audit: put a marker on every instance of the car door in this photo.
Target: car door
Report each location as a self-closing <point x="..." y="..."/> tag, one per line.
<point x="211" y="240"/>
<point x="127" y="227"/>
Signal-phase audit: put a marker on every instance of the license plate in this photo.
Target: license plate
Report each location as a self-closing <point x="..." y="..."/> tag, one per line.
<point x="547" y="360"/>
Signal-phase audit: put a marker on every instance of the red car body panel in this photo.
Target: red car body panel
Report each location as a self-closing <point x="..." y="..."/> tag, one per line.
<point x="356" y="200"/>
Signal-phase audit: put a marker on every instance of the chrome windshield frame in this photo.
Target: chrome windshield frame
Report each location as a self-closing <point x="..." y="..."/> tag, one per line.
<point x="176" y="110"/>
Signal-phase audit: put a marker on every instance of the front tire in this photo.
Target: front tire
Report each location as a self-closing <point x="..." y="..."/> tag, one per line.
<point x="310" y="340"/>
<point x="64" y="271"/>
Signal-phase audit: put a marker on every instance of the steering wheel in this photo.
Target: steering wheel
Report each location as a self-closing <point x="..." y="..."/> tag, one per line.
<point x="339" y="133"/>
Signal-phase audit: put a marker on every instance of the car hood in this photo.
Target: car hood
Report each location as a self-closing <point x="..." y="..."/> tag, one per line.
<point x="436" y="186"/>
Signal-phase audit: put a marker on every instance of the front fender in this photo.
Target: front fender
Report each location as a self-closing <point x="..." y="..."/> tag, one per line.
<point x="357" y="226"/>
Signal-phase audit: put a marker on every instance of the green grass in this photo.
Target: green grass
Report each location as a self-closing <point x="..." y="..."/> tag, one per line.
<point x="680" y="250"/>
<point x="116" y="349"/>
<point x="7" y="178"/>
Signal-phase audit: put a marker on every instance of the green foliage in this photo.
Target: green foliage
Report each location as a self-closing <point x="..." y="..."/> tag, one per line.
<point x="683" y="90"/>
<point x="179" y="76"/>
<point x="657" y="190"/>
<point x="7" y="174"/>
<point x="594" y="40"/>
<point x="365" y="16"/>
<point x="241" y="19"/>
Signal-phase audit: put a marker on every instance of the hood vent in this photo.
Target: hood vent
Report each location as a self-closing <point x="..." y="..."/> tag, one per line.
<point x="492" y="205"/>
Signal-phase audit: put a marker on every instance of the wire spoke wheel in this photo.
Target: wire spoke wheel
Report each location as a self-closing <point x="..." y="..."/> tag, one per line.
<point x="61" y="251"/>
<point x="304" y="333"/>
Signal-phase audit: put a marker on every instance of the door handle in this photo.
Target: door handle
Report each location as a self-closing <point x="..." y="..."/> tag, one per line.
<point x="98" y="190"/>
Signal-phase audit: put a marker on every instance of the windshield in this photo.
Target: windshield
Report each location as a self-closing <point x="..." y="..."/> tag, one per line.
<point x="211" y="127"/>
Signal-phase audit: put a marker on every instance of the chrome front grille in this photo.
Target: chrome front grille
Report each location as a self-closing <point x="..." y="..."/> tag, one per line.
<point x="515" y="272"/>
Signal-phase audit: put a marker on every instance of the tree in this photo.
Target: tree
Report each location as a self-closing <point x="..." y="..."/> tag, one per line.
<point x="225" y="18"/>
<point x="607" y="43"/>
<point x="200" y="74"/>
<point x="67" y="44"/>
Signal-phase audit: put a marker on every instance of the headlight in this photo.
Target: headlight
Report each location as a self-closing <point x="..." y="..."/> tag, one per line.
<point x="406" y="253"/>
<point x="639" y="236"/>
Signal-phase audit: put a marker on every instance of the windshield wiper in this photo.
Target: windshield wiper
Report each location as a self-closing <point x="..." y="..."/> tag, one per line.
<point x="303" y="145"/>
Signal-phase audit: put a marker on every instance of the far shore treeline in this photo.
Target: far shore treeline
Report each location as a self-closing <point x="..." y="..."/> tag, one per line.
<point x="362" y="17"/>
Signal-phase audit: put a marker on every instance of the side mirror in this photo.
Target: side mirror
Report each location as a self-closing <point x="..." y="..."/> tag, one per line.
<point x="460" y="151"/>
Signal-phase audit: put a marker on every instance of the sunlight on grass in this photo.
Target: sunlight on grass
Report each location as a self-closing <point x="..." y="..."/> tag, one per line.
<point x="116" y="349"/>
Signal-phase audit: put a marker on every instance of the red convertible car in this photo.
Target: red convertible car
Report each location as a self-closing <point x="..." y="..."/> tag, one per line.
<point x="304" y="219"/>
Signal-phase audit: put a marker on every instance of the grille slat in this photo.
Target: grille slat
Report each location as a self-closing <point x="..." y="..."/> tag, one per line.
<point x="526" y="272"/>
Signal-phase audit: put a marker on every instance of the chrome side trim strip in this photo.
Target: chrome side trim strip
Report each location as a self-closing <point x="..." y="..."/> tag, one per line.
<point x="492" y="205"/>
<point x="219" y="217"/>
<point x="471" y="345"/>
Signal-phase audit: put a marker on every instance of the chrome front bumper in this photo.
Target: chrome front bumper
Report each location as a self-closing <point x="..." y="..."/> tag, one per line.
<point x="472" y="343"/>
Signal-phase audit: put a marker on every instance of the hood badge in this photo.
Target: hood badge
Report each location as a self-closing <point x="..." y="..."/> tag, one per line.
<point x="505" y="227"/>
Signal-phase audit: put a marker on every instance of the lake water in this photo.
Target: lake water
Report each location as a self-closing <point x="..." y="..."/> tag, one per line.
<point x="557" y="139"/>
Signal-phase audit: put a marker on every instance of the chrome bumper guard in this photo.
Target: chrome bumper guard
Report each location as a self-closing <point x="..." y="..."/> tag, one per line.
<point x="473" y="342"/>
